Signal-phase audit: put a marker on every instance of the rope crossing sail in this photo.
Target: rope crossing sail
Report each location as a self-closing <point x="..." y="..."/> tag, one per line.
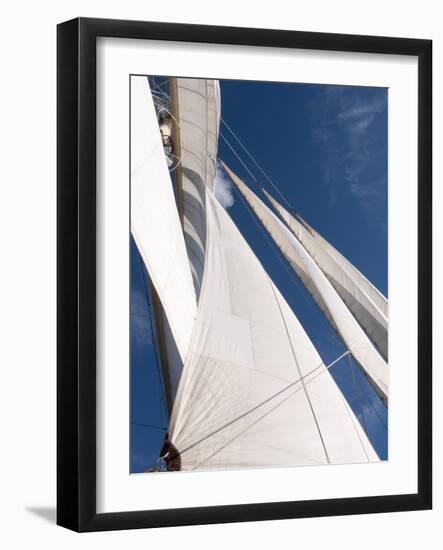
<point x="302" y="379"/>
<point x="242" y="351"/>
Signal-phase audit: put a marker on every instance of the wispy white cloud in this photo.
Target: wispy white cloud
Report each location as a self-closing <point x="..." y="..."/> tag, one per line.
<point x="344" y="129"/>
<point x="358" y="118"/>
<point x="223" y="188"/>
<point x="365" y="110"/>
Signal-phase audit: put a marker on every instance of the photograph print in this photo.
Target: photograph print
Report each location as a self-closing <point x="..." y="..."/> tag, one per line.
<point x="259" y="274"/>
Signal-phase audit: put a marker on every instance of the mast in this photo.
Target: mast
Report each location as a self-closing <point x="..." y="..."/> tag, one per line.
<point x="195" y="108"/>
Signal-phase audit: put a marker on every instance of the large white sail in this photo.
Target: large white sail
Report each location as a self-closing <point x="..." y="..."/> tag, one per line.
<point x="365" y="301"/>
<point x="156" y="227"/>
<point x="195" y="105"/>
<point x="254" y="391"/>
<point x="322" y="291"/>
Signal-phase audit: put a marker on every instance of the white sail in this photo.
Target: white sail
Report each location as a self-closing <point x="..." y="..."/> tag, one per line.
<point x="366" y="302"/>
<point x="254" y="391"/>
<point x="156" y="227"/>
<point x="322" y="291"/>
<point x="372" y="292"/>
<point x="196" y="109"/>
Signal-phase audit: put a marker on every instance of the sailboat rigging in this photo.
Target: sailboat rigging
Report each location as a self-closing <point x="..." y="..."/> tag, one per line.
<point x="246" y="386"/>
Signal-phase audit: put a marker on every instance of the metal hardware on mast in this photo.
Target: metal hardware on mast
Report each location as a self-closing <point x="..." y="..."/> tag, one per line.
<point x="176" y="144"/>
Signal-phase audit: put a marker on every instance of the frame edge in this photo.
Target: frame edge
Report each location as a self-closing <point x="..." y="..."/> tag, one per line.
<point x="76" y="253"/>
<point x="67" y="279"/>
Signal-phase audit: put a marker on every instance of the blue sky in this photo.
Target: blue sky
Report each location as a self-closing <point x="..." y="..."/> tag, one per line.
<point x="325" y="147"/>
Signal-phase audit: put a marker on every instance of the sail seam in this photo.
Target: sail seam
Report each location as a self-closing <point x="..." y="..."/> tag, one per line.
<point x="299" y="371"/>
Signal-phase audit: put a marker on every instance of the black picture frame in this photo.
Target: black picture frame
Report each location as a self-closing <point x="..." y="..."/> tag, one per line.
<point x="76" y="273"/>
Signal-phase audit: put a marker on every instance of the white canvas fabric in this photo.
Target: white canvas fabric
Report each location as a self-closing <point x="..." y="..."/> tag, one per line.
<point x="366" y="302"/>
<point x="198" y="116"/>
<point x="234" y="408"/>
<point x="156" y="227"/>
<point x="322" y="291"/>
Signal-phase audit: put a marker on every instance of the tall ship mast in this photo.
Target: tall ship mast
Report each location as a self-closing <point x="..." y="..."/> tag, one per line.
<point x="244" y="384"/>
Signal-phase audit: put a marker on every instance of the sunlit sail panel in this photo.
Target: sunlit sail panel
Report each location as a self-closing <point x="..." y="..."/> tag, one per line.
<point x="156" y="227"/>
<point x="322" y="291"/>
<point x="254" y="391"/>
<point x="366" y="302"/>
<point x="195" y="105"/>
<point x="375" y="295"/>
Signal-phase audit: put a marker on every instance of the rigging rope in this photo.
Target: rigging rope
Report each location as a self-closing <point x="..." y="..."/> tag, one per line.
<point x="149" y="426"/>
<point x="239" y="158"/>
<point x="369" y="400"/>
<point x="257" y="164"/>
<point x="153" y="336"/>
<point x="364" y="425"/>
